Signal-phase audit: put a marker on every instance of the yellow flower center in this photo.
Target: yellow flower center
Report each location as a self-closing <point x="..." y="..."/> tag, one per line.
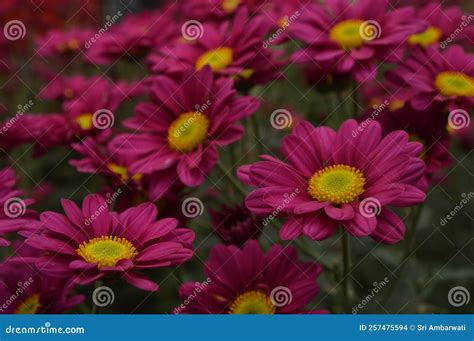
<point x="122" y="173"/>
<point x="339" y="184"/>
<point x="229" y="6"/>
<point x="347" y="34"/>
<point x="70" y="46"/>
<point x="426" y="38"/>
<point x="452" y="83"/>
<point x="245" y="74"/>
<point x="188" y="131"/>
<point x="106" y="250"/>
<point x="84" y="121"/>
<point x="29" y="306"/>
<point x="68" y="93"/>
<point x="252" y="302"/>
<point x="217" y="59"/>
<point x="396" y="104"/>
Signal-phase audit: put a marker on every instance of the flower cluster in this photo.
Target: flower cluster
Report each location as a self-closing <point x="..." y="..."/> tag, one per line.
<point x="159" y="134"/>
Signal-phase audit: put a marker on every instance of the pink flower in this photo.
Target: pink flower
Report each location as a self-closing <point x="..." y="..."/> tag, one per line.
<point x="247" y="281"/>
<point x="33" y="291"/>
<point x="60" y="43"/>
<point x="231" y="50"/>
<point x="352" y="37"/>
<point x="86" y="245"/>
<point x="177" y="135"/>
<point x="440" y="23"/>
<point x="14" y="215"/>
<point x="434" y="76"/>
<point x="347" y="178"/>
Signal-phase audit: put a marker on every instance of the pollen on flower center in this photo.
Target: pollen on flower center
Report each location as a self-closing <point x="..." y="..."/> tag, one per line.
<point x="188" y="131"/>
<point x="229" y="6"/>
<point x="29" y="306"/>
<point x="106" y="250"/>
<point x="426" y="38"/>
<point x="339" y="184"/>
<point x="122" y="173"/>
<point x="217" y="59"/>
<point x="84" y="121"/>
<point x="452" y="83"/>
<point x="347" y="34"/>
<point x="252" y="302"/>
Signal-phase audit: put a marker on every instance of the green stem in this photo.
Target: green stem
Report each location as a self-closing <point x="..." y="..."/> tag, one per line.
<point x="346" y="259"/>
<point x="232" y="179"/>
<point x="355" y="100"/>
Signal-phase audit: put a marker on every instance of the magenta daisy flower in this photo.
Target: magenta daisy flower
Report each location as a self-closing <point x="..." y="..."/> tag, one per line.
<point x="179" y="132"/>
<point x="440" y="23"/>
<point x="60" y="43"/>
<point x="347" y="178"/>
<point x="85" y="245"/>
<point x="352" y="36"/>
<point x="14" y="215"/>
<point x="435" y="76"/>
<point x="132" y="38"/>
<point x="247" y="281"/>
<point x="231" y="50"/>
<point x="235" y="225"/>
<point x="427" y="127"/>
<point x="25" y="290"/>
